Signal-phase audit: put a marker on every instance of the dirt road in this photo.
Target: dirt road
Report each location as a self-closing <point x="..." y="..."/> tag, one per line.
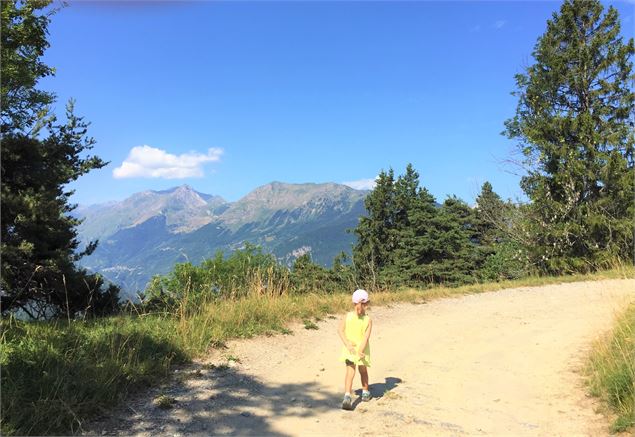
<point x="505" y="363"/>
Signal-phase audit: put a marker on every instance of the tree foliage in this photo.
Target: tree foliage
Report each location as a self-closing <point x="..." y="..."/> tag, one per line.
<point x="24" y="33"/>
<point x="574" y="124"/>
<point x="491" y="217"/>
<point x="502" y="254"/>
<point x="375" y="231"/>
<point x="39" y="240"/>
<point x="407" y="238"/>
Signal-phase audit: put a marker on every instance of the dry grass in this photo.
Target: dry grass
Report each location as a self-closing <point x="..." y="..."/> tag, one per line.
<point x="164" y="402"/>
<point x="611" y="371"/>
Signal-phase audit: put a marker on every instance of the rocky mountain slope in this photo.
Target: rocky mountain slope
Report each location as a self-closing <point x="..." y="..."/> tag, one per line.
<point x="149" y="232"/>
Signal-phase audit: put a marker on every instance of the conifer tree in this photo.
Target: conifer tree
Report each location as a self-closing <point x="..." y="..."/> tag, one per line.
<point x="490" y="219"/>
<point x="458" y="237"/>
<point x="375" y="231"/>
<point x="408" y="198"/>
<point x="406" y="193"/>
<point x="436" y="246"/>
<point x="38" y="237"/>
<point x="574" y="124"/>
<point x="415" y="246"/>
<point x="407" y="239"/>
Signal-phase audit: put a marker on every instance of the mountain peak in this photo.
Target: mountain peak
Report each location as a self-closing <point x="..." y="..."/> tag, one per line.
<point x="184" y="208"/>
<point x="310" y="188"/>
<point x="179" y="188"/>
<point x="265" y="200"/>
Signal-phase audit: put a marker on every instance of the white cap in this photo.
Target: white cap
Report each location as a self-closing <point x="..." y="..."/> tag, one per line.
<point x="360" y="296"/>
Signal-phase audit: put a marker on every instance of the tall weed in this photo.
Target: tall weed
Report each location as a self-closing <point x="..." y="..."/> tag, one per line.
<point x="611" y="370"/>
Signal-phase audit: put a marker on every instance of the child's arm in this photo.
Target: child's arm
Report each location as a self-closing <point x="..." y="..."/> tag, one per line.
<point x="341" y="331"/>
<point x="365" y="339"/>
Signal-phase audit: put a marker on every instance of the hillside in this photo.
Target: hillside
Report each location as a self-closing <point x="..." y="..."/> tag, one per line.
<point x="149" y="232"/>
<point x="184" y="209"/>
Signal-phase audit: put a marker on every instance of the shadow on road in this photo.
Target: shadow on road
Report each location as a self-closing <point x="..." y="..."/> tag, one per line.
<point x="219" y="402"/>
<point x="378" y="389"/>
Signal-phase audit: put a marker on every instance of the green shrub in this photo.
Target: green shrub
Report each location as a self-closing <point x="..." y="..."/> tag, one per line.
<point x="244" y="272"/>
<point x="509" y="261"/>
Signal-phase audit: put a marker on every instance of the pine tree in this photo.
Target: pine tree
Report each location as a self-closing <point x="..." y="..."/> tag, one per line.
<point x="407" y="200"/>
<point x="458" y="260"/>
<point x="375" y="231"/>
<point x="23" y="44"/>
<point x="39" y="241"/>
<point x="490" y="217"/>
<point x="575" y="129"/>
<point x="407" y="239"/>
<point x="406" y="193"/>
<point x="415" y="242"/>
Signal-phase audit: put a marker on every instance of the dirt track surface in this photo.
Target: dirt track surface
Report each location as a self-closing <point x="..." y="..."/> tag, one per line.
<point x="504" y="363"/>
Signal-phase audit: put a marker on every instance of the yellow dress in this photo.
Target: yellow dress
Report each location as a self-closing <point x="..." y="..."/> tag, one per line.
<point x="354" y="330"/>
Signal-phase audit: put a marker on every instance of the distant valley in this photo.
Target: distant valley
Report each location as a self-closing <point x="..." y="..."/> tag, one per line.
<point x="147" y="233"/>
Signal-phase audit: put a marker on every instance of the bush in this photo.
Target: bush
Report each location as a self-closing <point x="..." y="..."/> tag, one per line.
<point x="244" y="272"/>
<point x="509" y="261"/>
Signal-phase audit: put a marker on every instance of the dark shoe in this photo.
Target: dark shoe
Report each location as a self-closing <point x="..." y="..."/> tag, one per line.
<point x="366" y="396"/>
<point x="347" y="403"/>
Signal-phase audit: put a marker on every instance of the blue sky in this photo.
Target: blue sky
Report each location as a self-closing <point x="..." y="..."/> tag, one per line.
<point x="228" y="96"/>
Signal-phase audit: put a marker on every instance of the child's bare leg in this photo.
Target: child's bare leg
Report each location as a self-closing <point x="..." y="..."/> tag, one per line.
<point x="350" y="374"/>
<point x="363" y="373"/>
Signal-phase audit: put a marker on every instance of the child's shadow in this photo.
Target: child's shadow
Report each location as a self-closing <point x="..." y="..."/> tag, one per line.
<point x="378" y="389"/>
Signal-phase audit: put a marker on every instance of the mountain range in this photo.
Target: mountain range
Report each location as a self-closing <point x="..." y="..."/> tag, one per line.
<point x="147" y="233"/>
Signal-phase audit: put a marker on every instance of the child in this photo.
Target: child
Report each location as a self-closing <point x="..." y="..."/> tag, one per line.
<point x="354" y="330"/>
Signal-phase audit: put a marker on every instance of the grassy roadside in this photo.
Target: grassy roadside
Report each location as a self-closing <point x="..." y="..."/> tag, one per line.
<point x="611" y="371"/>
<point x="54" y="376"/>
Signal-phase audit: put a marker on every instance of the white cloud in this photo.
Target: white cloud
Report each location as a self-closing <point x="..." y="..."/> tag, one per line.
<point x="362" y="184"/>
<point x="500" y="23"/>
<point x="149" y="162"/>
